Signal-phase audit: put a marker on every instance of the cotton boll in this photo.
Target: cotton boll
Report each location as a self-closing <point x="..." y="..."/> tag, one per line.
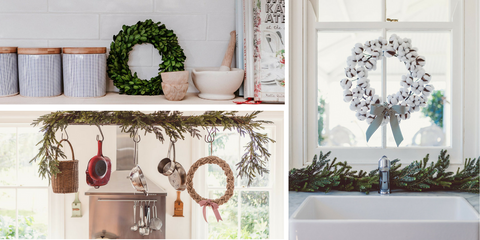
<point x="362" y="82"/>
<point x="351" y="61"/>
<point x="415" y="108"/>
<point x="370" y="118"/>
<point x="367" y="44"/>
<point x="345" y="83"/>
<point x="393" y="100"/>
<point x="416" y="88"/>
<point x="369" y="64"/>
<point x="364" y="109"/>
<point x="420" y="61"/>
<point x="375" y="100"/>
<point x="426" y="78"/>
<point x="390" y="52"/>
<point x="350" y="72"/>
<point x="353" y="105"/>
<point x="362" y="72"/>
<point x="392" y="38"/>
<point x="420" y="73"/>
<point x="427" y="90"/>
<point x="361" y="116"/>
<point x="357" y="92"/>
<point x="369" y="91"/>
<point x="347" y="96"/>
<point x="422" y="101"/>
<point x="358" y="48"/>
<point x="405" y="116"/>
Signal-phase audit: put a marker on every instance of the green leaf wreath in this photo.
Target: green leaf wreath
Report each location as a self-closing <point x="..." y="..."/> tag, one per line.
<point x="163" y="39"/>
<point x="172" y="124"/>
<point x="323" y="175"/>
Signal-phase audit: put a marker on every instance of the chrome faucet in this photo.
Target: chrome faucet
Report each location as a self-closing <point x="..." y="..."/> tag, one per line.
<point x="384" y="175"/>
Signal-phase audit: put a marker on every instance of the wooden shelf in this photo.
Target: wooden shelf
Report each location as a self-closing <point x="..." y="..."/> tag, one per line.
<point x="117" y="101"/>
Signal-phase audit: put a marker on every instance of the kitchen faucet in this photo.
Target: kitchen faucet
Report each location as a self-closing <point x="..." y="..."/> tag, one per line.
<point x="384" y="175"/>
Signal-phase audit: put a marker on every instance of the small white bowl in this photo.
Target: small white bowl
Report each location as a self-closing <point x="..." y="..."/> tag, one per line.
<point x="217" y="85"/>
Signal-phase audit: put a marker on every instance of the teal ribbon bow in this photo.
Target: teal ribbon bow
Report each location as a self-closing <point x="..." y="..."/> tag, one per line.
<point x="380" y="110"/>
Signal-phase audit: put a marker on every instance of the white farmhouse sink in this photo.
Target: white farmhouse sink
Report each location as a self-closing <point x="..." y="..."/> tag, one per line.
<point x="384" y="218"/>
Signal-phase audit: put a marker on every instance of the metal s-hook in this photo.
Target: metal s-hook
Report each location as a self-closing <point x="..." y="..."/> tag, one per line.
<point x="103" y="138"/>
<point x="210" y="138"/>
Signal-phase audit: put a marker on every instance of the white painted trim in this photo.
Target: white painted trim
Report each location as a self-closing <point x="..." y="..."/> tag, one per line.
<point x="464" y="145"/>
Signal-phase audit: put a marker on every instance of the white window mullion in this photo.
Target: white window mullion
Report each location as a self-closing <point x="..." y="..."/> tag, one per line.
<point x="239" y="214"/>
<point x="384" y="82"/>
<point x="16" y="213"/>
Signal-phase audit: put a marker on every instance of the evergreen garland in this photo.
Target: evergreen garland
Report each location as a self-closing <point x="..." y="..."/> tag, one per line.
<point x="173" y="124"/>
<point x="324" y="176"/>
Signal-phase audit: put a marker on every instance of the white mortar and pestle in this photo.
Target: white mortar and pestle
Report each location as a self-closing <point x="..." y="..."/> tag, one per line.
<point x="219" y="83"/>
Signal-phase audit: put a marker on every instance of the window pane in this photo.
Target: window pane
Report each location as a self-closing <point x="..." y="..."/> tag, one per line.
<point x="8" y="152"/>
<point x="227" y="147"/>
<point x="421" y="10"/>
<point x="420" y="129"/>
<point x="32" y="213"/>
<point x="348" y="10"/>
<point x="260" y="180"/>
<point x="340" y="125"/>
<point x="228" y="228"/>
<point x="28" y="172"/>
<point x="255" y="215"/>
<point x="7" y="213"/>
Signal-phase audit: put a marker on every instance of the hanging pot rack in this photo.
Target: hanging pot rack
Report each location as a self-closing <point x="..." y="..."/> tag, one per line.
<point x="173" y="124"/>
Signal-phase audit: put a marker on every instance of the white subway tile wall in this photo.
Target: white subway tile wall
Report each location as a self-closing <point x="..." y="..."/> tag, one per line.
<point x="203" y="27"/>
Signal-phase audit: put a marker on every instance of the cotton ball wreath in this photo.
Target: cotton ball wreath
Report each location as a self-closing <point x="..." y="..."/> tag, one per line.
<point x="415" y="84"/>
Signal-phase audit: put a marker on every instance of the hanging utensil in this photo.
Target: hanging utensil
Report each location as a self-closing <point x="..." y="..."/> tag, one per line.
<point x="161" y="168"/>
<point x="99" y="167"/>
<point x="156" y="223"/>
<point x="135" y="226"/>
<point x="141" y="223"/>
<point x="136" y="175"/>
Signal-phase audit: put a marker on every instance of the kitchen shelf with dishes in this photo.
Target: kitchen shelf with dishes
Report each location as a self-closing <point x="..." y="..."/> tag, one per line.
<point x="78" y="75"/>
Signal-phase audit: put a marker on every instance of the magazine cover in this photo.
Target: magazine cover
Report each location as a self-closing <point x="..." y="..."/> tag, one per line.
<point x="269" y="50"/>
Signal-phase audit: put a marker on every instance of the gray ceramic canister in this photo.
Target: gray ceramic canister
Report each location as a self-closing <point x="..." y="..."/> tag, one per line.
<point x="8" y="71"/>
<point x="40" y="72"/>
<point x="84" y="72"/>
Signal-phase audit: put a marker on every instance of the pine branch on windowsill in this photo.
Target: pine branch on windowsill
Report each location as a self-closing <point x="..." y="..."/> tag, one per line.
<point x="323" y="176"/>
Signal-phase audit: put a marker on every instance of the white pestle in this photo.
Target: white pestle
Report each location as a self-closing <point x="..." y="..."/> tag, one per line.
<point x="227" y="60"/>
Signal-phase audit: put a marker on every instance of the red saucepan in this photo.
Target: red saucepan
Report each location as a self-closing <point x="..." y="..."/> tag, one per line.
<point x="98" y="169"/>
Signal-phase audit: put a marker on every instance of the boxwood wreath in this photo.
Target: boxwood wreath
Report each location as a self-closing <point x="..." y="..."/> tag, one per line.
<point x="163" y="39"/>
<point x="165" y="125"/>
<point x="323" y="176"/>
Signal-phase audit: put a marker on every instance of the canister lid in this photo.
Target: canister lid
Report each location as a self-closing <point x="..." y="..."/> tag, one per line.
<point x="39" y="51"/>
<point x="8" y="49"/>
<point x="84" y="50"/>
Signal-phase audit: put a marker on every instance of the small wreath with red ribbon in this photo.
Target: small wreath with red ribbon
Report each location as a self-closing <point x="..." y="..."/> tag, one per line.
<point x="214" y="203"/>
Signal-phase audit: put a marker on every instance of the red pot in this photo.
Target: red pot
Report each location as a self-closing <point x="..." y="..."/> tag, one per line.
<point x="98" y="169"/>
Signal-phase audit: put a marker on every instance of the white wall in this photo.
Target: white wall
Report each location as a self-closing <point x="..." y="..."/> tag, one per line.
<point x="202" y="26"/>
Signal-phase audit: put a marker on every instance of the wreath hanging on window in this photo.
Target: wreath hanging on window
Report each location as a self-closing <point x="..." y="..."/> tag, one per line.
<point x="363" y="100"/>
<point x="163" y="39"/>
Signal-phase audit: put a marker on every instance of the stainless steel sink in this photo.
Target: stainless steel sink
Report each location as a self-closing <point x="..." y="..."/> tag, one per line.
<point x="384" y="217"/>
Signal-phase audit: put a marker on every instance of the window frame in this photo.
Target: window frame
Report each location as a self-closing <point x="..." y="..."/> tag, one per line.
<point x="56" y="202"/>
<point x="17" y="187"/>
<point x="275" y="188"/>
<point x="464" y="143"/>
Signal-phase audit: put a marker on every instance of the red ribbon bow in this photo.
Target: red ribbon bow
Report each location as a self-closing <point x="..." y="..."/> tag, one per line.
<point x="208" y="202"/>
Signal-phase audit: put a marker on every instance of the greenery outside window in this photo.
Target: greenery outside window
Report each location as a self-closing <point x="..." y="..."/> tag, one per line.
<point x="23" y="195"/>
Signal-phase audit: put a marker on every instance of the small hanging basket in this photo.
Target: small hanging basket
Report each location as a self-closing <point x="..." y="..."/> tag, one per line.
<point x="67" y="180"/>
